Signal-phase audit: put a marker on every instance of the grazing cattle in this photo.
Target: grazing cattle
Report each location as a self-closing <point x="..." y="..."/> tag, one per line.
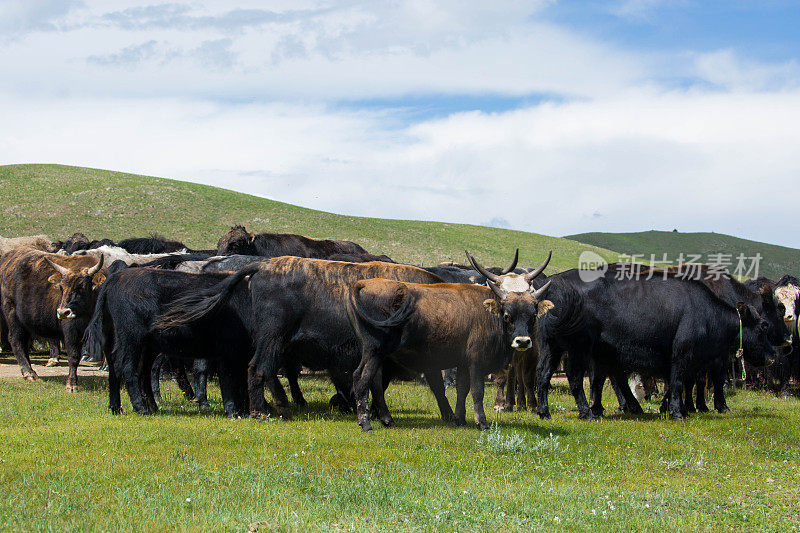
<point x="776" y="377"/>
<point x="299" y="318"/>
<point x="34" y="242"/>
<point x="663" y="326"/>
<point x="157" y="244"/>
<point x="520" y="377"/>
<point x="117" y="253"/>
<point x="724" y="286"/>
<point x="79" y="242"/>
<point x="123" y="328"/>
<point x="428" y="328"/>
<point x="238" y="240"/>
<point x="48" y="296"/>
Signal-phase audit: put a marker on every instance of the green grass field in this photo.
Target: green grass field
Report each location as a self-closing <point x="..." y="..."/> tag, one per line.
<point x="59" y="200"/>
<point x="69" y="465"/>
<point x="777" y="260"/>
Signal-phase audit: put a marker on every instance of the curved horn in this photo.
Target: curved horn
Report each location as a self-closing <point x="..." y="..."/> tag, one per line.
<point x="495" y="289"/>
<point x="538" y="292"/>
<point x="531" y="275"/>
<point x="92" y="271"/>
<point x="513" y="263"/>
<point x="477" y="266"/>
<point x="61" y="270"/>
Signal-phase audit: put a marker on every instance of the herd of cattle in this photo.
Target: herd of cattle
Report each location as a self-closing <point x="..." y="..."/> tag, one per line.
<point x="269" y="304"/>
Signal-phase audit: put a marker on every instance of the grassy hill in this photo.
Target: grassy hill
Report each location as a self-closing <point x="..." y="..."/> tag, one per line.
<point x="59" y="200"/>
<point x="777" y="260"/>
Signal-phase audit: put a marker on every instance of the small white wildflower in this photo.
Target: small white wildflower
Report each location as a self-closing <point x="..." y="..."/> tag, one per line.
<point x="557" y="520"/>
<point x="188" y="500"/>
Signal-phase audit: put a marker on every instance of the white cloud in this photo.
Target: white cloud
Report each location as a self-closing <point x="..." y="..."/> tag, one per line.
<point x="153" y="89"/>
<point x="645" y="160"/>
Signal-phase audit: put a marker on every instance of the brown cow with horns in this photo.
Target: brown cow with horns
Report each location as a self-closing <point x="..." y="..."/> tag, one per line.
<point x="48" y="296"/>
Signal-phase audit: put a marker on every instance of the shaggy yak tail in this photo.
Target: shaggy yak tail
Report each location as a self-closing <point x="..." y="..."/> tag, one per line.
<point x="398" y="318"/>
<point x="94" y="336"/>
<point x="193" y="307"/>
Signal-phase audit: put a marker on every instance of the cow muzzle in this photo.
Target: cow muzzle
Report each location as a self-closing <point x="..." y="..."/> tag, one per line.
<point x="65" y="313"/>
<point x="521" y="343"/>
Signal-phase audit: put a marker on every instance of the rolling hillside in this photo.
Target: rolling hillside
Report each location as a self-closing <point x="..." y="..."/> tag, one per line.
<point x="59" y="200"/>
<point x="777" y="260"/>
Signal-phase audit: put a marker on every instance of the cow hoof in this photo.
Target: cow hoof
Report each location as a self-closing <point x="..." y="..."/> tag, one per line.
<point x="72" y="388"/>
<point x="53" y="361"/>
<point x="205" y="406"/>
<point x="116" y="410"/>
<point x="588" y="416"/>
<point x="259" y="415"/>
<point x="724" y="409"/>
<point x="285" y="413"/>
<point x="499" y="408"/>
<point x="676" y="416"/>
<point x="702" y="409"/>
<point x="389" y="423"/>
<point x="544" y="416"/>
<point x="302" y="404"/>
<point x="484" y="426"/>
<point x="461" y="421"/>
<point x="33" y="376"/>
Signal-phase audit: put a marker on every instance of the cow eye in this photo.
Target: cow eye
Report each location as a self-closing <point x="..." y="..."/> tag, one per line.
<point x="507" y="317"/>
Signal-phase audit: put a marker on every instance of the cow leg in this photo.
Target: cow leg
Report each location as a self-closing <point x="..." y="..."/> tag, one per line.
<point x="114" y="399"/>
<point x="477" y="386"/>
<point x="5" y="345"/>
<point x="343" y="400"/>
<point x="519" y="384"/>
<point x="363" y="377"/>
<point x="20" y="342"/>
<point x="377" y="388"/>
<point x="575" y="373"/>
<point x="676" y="391"/>
<point x="72" y="343"/>
<point x="548" y="362"/>
<point x="145" y="383"/>
<point x="200" y="377"/>
<point x="511" y="385"/>
<point x="124" y="355"/>
<point x="462" y="389"/>
<point x="436" y="384"/>
<point x="292" y="372"/>
<point x="700" y="387"/>
<point x="155" y="376"/>
<point x="52" y="347"/>
<point x="227" y="387"/>
<point x="263" y="370"/>
<point x="182" y="381"/>
<point x="718" y="379"/>
<point x="627" y="401"/>
<point x="501" y="380"/>
<point x="597" y="380"/>
<point x="688" y="392"/>
<point x="529" y="378"/>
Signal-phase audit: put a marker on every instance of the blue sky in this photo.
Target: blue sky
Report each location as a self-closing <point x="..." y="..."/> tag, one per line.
<point x="549" y="116"/>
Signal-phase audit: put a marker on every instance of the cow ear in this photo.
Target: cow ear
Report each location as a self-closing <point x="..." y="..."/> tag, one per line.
<point x="544" y="307"/>
<point x="98" y="280"/>
<point x="55" y="279"/>
<point x="492" y="305"/>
